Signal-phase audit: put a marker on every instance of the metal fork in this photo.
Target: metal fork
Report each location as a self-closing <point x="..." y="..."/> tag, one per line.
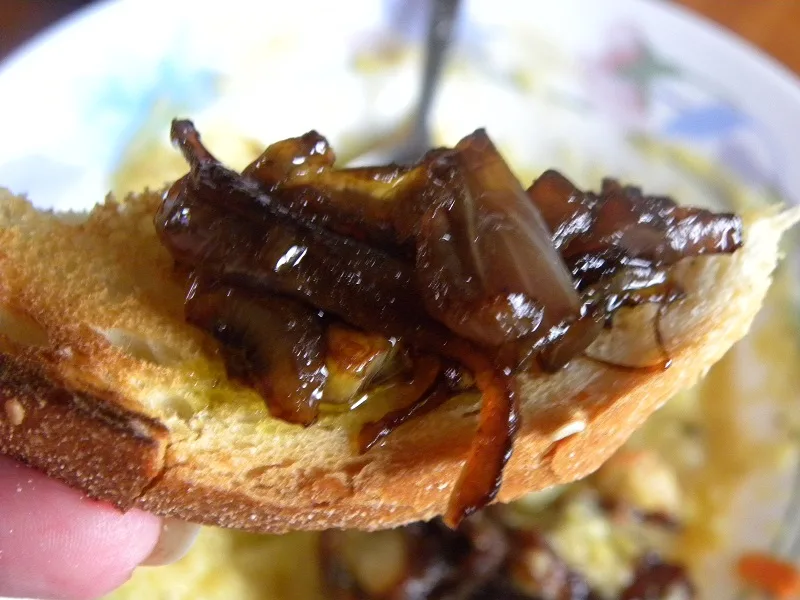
<point x="417" y="140"/>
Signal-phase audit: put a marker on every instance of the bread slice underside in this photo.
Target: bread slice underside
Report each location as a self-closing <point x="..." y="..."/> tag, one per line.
<point x="104" y="386"/>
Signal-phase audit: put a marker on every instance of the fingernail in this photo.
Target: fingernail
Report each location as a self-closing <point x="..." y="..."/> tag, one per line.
<point x="174" y="542"/>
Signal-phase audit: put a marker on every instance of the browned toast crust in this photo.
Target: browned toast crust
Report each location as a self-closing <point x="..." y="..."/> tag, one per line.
<point x="81" y="436"/>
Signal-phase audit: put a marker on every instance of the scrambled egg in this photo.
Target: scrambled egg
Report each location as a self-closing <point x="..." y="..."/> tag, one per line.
<point x="227" y="564"/>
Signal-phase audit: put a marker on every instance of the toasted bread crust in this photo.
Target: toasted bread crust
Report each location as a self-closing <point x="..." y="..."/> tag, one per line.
<point x="109" y="423"/>
<point x="80" y="436"/>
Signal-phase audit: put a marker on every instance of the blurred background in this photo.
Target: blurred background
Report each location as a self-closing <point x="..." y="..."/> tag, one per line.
<point x="769" y="24"/>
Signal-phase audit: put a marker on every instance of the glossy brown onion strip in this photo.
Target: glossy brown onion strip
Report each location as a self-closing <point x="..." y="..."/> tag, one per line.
<point x="273" y="345"/>
<point x="413" y="397"/>
<point x="600" y="234"/>
<point x="492" y="445"/>
<point x="360" y="203"/>
<point x="629" y="287"/>
<point x="486" y="253"/>
<point x="213" y="220"/>
<point x="483" y="258"/>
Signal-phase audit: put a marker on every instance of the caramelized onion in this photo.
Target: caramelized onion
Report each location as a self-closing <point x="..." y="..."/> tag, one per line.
<point x="361" y="203"/>
<point x="542" y="573"/>
<point x="292" y="159"/>
<point x="632" y="286"/>
<point x="374" y="431"/>
<point x="414" y="397"/>
<point x="665" y="232"/>
<point x="600" y="234"/>
<point x="572" y="341"/>
<point x="492" y="445"/>
<point x="274" y="345"/>
<point x="355" y="359"/>
<point x="490" y="236"/>
<point x="440" y="564"/>
<point x="226" y="226"/>
<point x="656" y="579"/>
<point x="271" y="254"/>
<point x="484" y="261"/>
<point x="486" y="558"/>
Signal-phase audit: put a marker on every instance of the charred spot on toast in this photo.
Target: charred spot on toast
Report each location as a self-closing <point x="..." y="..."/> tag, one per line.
<point x="471" y="277"/>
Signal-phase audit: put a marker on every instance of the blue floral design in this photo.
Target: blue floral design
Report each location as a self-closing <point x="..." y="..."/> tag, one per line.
<point x="643" y="92"/>
<point x="172" y="83"/>
<point x="173" y="86"/>
<point x="406" y="18"/>
<point x="706" y="120"/>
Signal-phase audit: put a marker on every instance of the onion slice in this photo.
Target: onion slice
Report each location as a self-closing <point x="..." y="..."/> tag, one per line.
<point x="274" y="345"/>
<point x="486" y="265"/>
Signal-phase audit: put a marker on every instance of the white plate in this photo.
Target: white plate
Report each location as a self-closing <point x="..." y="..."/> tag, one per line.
<point x="589" y="87"/>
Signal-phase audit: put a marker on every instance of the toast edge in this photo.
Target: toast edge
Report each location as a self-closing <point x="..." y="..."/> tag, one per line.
<point x="68" y="433"/>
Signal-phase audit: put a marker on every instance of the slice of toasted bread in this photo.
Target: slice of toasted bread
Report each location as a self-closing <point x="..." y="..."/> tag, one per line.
<point x="104" y="386"/>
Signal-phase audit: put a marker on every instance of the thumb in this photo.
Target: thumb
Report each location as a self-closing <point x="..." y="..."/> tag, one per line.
<point x="56" y="543"/>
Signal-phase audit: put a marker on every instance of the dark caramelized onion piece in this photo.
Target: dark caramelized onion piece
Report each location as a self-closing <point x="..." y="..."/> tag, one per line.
<point x="440" y="564"/>
<point x="299" y="174"/>
<point x="665" y="232"/>
<point x="225" y="226"/>
<point x="485" y="262"/>
<point x="459" y="299"/>
<point x="629" y="287"/>
<point x="552" y="577"/>
<point x="221" y="223"/>
<point x="184" y="135"/>
<point x="600" y="234"/>
<point x="484" y="559"/>
<point x="566" y="210"/>
<point x="656" y="579"/>
<point x="618" y="245"/>
<point x="572" y="341"/>
<point x="293" y="158"/>
<point x="374" y="431"/>
<point x="492" y="445"/>
<point x="274" y="345"/>
<point x="415" y="396"/>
